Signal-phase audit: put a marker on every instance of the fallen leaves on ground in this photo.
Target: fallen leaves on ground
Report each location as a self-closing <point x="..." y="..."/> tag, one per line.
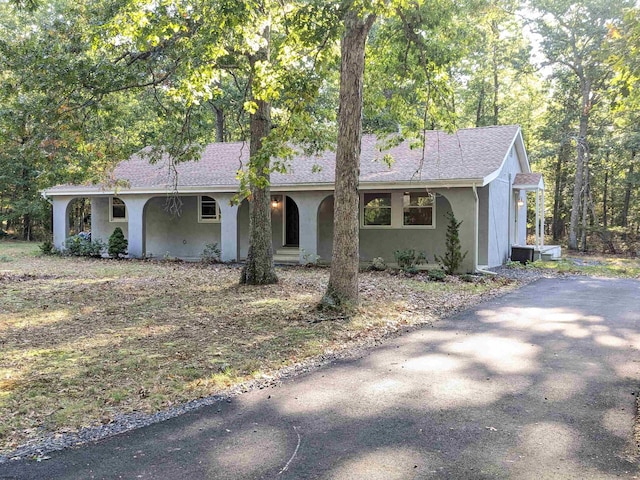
<point x="82" y="341"/>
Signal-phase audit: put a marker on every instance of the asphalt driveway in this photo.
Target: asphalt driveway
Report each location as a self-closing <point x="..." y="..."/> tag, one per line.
<point x="540" y="383"/>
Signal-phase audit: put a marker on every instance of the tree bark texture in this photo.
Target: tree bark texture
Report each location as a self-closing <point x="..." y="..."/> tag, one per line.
<point x="578" y="187"/>
<point x="259" y="269"/>
<point x="342" y="290"/>
<point x="558" y="199"/>
<point x="624" y="221"/>
<point x="496" y="82"/>
<point x="585" y="207"/>
<point x="219" y="124"/>
<point x="605" y="219"/>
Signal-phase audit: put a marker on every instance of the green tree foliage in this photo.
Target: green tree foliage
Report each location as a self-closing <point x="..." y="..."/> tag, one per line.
<point x="453" y="256"/>
<point x="117" y="243"/>
<point x="576" y="40"/>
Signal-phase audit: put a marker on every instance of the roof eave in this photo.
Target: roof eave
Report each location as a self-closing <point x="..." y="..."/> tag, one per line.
<point x="276" y="188"/>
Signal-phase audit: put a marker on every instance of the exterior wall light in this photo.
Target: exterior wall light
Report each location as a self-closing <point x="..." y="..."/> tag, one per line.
<point x="520" y="203"/>
<point x="274" y="202"/>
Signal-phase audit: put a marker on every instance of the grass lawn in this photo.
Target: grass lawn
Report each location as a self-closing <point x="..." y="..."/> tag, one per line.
<point x="589" y="264"/>
<point x="83" y="340"/>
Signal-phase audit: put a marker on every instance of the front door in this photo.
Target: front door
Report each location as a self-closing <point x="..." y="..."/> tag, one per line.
<point x="292" y="224"/>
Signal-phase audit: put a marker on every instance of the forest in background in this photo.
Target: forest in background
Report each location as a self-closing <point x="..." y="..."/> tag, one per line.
<point x="86" y="84"/>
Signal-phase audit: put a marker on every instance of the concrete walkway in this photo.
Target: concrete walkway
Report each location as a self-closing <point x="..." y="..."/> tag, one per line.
<point x="540" y="383"/>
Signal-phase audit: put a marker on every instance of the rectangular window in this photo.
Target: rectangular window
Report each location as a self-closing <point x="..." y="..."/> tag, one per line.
<point x="376" y="210"/>
<point x="117" y="210"/>
<point x="417" y="209"/>
<point x="208" y="210"/>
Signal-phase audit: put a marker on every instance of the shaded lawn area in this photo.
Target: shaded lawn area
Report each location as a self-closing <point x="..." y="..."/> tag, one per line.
<point x="615" y="266"/>
<point x="83" y="340"/>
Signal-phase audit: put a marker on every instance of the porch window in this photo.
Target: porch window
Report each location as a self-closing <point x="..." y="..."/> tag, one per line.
<point x="117" y="210"/>
<point x="208" y="210"/>
<point x="417" y="209"/>
<point x="376" y="210"/>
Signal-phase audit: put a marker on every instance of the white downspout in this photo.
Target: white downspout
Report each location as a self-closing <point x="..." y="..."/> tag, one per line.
<point x="476" y="247"/>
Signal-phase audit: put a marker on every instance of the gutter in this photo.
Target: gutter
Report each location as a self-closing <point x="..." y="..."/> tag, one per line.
<point x="476" y="268"/>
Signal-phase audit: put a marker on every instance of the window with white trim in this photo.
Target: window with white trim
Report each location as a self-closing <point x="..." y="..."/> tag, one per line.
<point x="117" y="210"/>
<point x="208" y="211"/>
<point x="376" y="209"/>
<point x="417" y="209"/>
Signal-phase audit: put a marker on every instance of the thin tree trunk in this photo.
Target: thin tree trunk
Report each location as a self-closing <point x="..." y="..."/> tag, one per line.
<point x="480" y="107"/>
<point x="627" y="194"/>
<point x="219" y="124"/>
<point x="342" y="290"/>
<point x="26" y="217"/>
<point x="585" y="208"/>
<point x="578" y="187"/>
<point x="604" y="198"/>
<point x="496" y="82"/>
<point x="558" y="203"/>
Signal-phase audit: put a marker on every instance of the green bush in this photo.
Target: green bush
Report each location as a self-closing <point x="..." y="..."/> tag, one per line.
<point x="453" y="255"/>
<point x="211" y="253"/>
<point x="436" y="275"/>
<point x="408" y="259"/>
<point x="378" y="264"/>
<point x="47" y="248"/>
<point x="78" y="246"/>
<point x="117" y="243"/>
<point x="470" y="278"/>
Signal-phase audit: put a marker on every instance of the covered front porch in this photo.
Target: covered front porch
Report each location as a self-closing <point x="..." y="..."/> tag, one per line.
<point x="521" y="250"/>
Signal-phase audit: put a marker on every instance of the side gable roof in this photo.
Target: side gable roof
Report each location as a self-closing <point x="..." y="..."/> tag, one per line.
<point x="466" y="157"/>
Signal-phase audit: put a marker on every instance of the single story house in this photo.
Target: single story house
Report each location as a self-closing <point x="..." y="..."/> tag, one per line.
<point x="479" y="174"/>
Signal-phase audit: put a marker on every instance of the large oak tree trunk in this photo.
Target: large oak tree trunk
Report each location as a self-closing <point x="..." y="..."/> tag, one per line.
<point x="578" y="187"/>
<point x="342" y="291"/>
<point x="259" y="269"/>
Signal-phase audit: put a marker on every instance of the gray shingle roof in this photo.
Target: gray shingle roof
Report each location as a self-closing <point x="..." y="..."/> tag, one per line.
<point x="468" y="154"/>
<point x="526" y="179"/>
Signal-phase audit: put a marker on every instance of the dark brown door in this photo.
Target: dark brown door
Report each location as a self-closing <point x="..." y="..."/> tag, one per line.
<point x="292" y="224"/>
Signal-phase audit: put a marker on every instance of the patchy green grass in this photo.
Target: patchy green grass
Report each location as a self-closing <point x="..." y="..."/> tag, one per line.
<point x="593" y="265"/>
<point x="82" y="340"/>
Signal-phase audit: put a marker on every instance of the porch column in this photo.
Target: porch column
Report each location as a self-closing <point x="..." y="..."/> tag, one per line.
<point x="542" y="219"/>
<point x="308" y="204"/>
<point x="462" y="201"/>
<point x="228" y="228"/>
<point x="537" y="218"/>
<point x="135" y="217"/>
<point x="60" y="220"/>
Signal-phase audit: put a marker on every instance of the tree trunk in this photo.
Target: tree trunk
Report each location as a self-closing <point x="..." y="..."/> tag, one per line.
<point x="578" y="187"/>
<point x="219" y="124"/>
<point x="259" y="269"/>
<point x="604" y="198"/>
<point x="496" y="81"/>
<point x="558" y="203"/>
<point x="342" y="290"/>
<point x="480" y="107"/>
<point x="585" y="208"/>
<point x="26" y="217"/>
<point x="624" y="221"/>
